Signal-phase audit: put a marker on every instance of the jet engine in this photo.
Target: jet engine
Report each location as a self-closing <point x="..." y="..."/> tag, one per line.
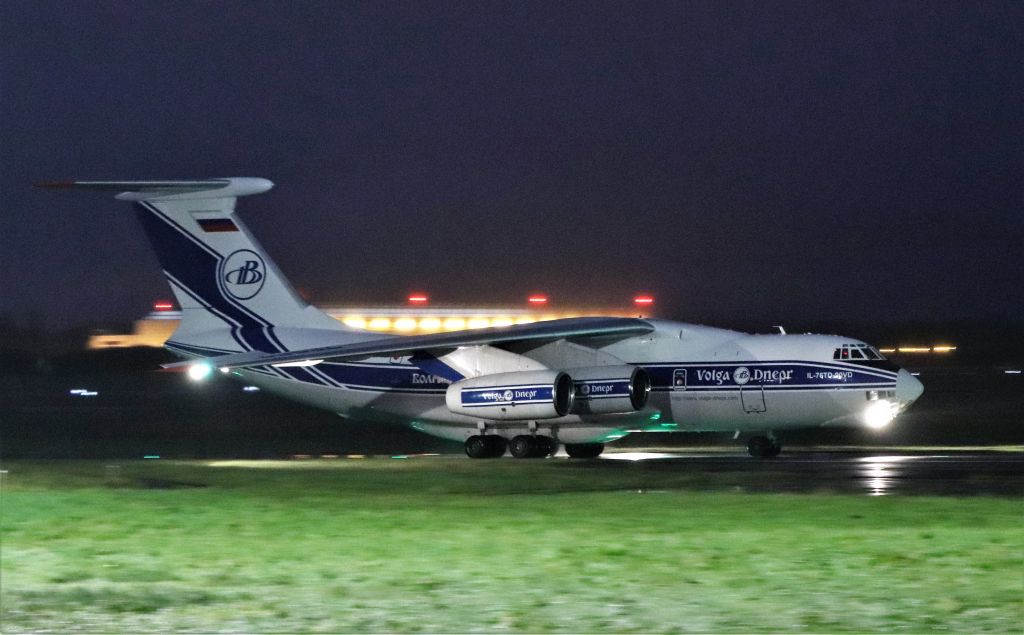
<point x="517" y="396"/>
<point x="610" y="389"/>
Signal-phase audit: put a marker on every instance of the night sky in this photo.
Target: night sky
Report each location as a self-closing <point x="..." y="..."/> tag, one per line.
<point x="766" y="162"/>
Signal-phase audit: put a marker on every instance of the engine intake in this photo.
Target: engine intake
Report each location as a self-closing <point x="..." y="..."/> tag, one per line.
<point x="541" y="394"/>
<point x="610" y="389"/>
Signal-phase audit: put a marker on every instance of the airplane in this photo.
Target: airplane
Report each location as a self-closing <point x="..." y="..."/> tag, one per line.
<point x="525" y="389"/>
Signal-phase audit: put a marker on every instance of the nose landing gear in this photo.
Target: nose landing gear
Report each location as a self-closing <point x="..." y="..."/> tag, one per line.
<point x="763" y="447"/>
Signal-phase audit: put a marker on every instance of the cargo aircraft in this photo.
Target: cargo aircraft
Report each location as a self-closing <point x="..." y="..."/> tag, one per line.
<point x="524" y="389"/>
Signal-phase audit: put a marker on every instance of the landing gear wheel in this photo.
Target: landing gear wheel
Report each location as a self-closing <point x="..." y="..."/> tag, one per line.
<point x="532" y="447"/>
<point x="485" y="447"/>
<point x="477" y="447"/>
<point x="496" y="446"/>
<point x="522" y="447"/>
<point x="584" y="450"/>
<point x="763" y="448"/>
<point x="546" y="446"/>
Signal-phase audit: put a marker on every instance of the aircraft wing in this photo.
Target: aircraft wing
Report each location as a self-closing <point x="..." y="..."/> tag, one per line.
<point x="568" y="328"/>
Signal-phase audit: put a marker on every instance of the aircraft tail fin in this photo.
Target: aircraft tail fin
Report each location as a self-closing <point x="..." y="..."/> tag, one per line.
<point x="221" y="277"/>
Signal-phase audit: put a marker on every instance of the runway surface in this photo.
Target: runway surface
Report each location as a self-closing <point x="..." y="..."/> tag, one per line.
<point x="927" y="472"/>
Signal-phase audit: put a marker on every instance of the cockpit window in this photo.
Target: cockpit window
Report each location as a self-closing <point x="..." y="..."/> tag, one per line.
<point x="857" y="351"/>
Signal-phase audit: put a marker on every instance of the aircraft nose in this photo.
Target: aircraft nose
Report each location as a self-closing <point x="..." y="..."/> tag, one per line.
<point x="908" y="387"/>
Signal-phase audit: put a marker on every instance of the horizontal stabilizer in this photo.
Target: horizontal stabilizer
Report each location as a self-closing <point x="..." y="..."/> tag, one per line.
<point x="152" y="190"/>
<point x="544" y="331"/>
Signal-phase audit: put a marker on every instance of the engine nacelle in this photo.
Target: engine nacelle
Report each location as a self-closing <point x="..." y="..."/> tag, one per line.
<point x="538" y="394"/>
<point x="610" y="389"/>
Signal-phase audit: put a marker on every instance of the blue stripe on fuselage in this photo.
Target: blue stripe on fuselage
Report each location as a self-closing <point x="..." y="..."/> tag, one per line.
<point x="770" y="374"/>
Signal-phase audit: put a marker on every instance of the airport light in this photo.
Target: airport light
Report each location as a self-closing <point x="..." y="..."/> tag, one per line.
<point x="380" y="324"/>
<point x="162" y="306"/>
<point x="643" y="300"/>
<point x="418" y="299"/>
<point x="537" y="299"/>
<point x="454" y="324"/>
<point x="478" y="323"/>
<point x="938" y="348"/>
<point x="430" y="324"/>
<point x="405" y="324"/>
<point x="355" y="322"/>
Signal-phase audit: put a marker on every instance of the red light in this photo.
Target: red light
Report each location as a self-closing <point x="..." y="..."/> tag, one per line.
<point x="537" y="299"/>
<point x="643" y="300"/>
<point x="162" y="306"/>
<point x="418" y="298"/>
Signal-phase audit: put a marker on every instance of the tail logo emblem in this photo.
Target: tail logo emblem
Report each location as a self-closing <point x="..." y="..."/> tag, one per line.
<point x="242" y="274"/>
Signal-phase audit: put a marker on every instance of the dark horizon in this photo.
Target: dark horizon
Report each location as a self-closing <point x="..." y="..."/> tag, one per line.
<point x="791" y="163"/>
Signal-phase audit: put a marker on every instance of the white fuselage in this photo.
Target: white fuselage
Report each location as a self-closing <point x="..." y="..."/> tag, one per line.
<point x="703" y="379"/>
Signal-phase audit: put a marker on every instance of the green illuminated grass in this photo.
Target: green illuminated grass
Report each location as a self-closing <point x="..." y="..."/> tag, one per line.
<point x="457" y="545"/>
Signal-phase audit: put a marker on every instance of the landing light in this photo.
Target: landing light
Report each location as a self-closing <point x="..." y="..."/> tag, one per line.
<point x="879" y="414"/>
<point x="199" y="372"/>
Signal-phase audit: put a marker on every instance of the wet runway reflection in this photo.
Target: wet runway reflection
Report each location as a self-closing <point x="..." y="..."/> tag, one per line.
<point x="932" y="472"/>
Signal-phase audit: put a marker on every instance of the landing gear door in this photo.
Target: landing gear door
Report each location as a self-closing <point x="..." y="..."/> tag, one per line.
<point x="679" y="379"/>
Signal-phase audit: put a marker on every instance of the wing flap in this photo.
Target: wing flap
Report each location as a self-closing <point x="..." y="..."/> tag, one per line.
<point x="569" y="328"/>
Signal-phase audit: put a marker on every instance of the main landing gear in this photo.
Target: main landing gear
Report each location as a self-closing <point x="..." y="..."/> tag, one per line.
<point x="525" y="446"/>
<point x="763" y="447"/>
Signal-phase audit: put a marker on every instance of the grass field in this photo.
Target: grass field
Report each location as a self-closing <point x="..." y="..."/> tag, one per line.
<point x="435" y="544"/>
